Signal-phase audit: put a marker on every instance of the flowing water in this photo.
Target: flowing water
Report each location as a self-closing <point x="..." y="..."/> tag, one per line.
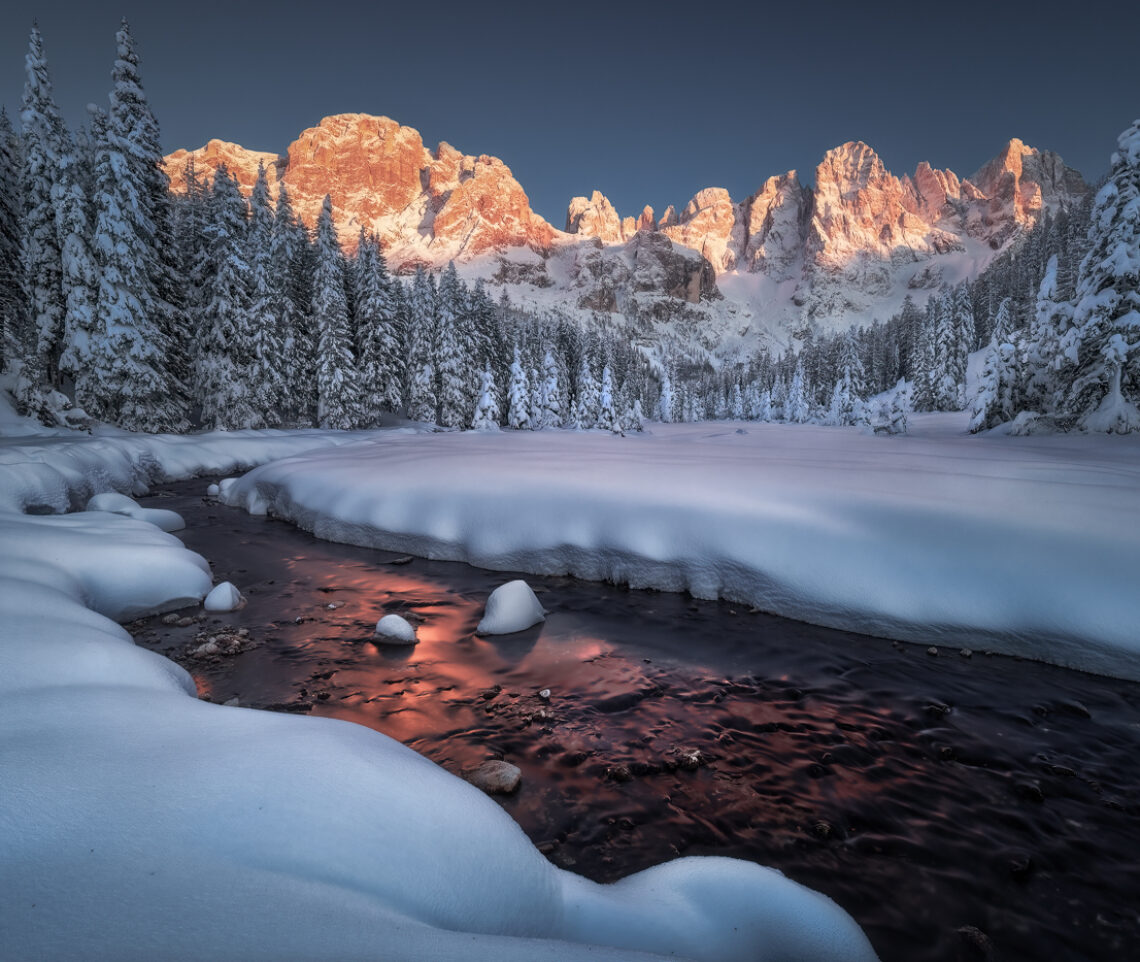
<point x="958" y="807"/>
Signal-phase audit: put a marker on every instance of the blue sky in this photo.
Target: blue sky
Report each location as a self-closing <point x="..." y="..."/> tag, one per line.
<point x="648" y="102"/>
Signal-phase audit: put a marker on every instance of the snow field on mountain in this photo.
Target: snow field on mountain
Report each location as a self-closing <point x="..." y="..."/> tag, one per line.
<point x="139" y="823"/>
<point x="1028" y="546"/>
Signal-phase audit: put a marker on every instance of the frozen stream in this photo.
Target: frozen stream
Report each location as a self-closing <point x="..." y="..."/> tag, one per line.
<point x="958" y="807"/>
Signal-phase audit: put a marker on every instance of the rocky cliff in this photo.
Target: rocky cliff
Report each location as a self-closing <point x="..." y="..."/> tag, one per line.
<point x="787" y="257"/>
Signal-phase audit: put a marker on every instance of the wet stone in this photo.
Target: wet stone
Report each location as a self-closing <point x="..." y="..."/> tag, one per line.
<point x="496" y="777"/>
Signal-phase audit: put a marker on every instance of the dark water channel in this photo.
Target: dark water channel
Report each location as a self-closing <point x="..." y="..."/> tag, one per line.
<point x="958" y="807"/>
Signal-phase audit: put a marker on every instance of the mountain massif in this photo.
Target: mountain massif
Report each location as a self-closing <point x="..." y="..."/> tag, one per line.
<point x="733" y="274"/>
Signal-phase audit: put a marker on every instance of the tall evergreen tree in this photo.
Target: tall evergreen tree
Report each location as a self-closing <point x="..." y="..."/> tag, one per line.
<point x="42" y="334"/>
<point x="78" y="278"/>
<point x="288" y="255"/>
<point x="553" y="400"/>
<point x="223" y="350"/>
<point x="130" y="384"/>
<point x="994" y="402"/>
<point x="1104" y="343"/>
<point x="336" y="374"/>
<point x="518" y="411"/>
<point x="486" y="416"/>
<point x="12" y="307"/>
<point x="421" y="347"/>
<point x="266" y="377"/>
<point x="453" y="353"/>
<point x="134" y="132"/>
<point x="378" y="342"/>
<point x="798" y="407"/>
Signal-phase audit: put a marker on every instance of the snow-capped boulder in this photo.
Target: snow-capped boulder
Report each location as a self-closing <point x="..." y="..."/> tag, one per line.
<point x="224" y="597"/>
<point x="394" y="630"/>
<point x="213" y="491"/>
<point x="116" y="503"/>
<point x="511" y="607"/>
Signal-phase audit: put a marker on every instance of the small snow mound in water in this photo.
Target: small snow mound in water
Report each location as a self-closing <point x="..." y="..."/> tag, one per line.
<point x="213" y="491"/>
<point x="394" y="630"/>
<point x="114" y="503"/>
<point x="225" y="597"/>
<point x="512" y="607"/>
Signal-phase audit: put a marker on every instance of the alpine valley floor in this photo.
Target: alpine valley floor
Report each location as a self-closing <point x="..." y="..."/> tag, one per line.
<point x="134" y="811"/>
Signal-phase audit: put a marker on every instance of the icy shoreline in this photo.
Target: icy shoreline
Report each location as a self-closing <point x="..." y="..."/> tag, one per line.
<point x="132" y="811"/>
<point x="1024" y="546"/>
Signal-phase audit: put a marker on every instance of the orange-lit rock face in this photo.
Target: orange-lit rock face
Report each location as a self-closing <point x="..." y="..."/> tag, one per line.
<point x="594" y="217"/>
<point x="382" y="178"/>
<point x="432" y="207"/>
<point x="773" y="222"/>
<point x="240" y="162"/>
<point x="710" y="224"/>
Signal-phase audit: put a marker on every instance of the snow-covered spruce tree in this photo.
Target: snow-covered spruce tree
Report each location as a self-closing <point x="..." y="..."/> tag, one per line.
<point x="336" y="375"/>
<point x="223" y="351"/>
<point x="1040" y="360"/>
<point x="736" y="404"/>
<point x="486" y="416"/>
<point x="455" y="348"/>
<point x="42" y="328"/>
<point x="78" y="278"/>
<point x="997" y="386"/>
<point x="585" y="413"/>
<point x="666" y="401"/>
<point x="421" y="335"/>
<point x="288" y="250"/>
<point x="11" y="278"/>
<point x="900" y="407"/>
<point x="1104" y="343"/>
<point x="380" y="361"/>
<point x="422" y="405"/>
<point x="764" y="408"/>
<point x="518" y="397"/>
<point x="923" y="374"/>
<point x="136" y="132"/>
<point x="608" y="415"/>
<point x="553" y="400"/>
<point x="131" y="384"/>
<point x="798" y="407"/>
<point x="267" y="362"/>
<point x="846" y="398"/>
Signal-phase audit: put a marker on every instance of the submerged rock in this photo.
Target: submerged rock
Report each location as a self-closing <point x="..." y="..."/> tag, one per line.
<point x="496" y="777"/>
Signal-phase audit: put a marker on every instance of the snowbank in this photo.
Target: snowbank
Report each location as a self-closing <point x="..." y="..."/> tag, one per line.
<point x="1025" y="545"/>
<point x="138" y="823"/>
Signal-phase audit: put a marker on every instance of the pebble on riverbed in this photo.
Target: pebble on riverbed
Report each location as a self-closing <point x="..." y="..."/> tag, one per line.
<point x="229" y="641"/>
<point x="496" y="777"/>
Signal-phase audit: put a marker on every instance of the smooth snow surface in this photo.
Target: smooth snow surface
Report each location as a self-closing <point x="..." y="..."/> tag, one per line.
<point x="224" y="597"/>
<point x="120" y="504"/>
<point x="511" y="607"/>
<point x="394" y="630"/>
<point x="139" y="823"/>
<point x="1029" y="546"/>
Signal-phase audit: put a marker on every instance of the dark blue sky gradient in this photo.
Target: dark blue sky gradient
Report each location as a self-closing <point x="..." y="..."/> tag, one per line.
<point x="648" y="102"/>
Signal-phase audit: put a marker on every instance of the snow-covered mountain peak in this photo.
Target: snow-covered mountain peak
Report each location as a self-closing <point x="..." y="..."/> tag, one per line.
<point x="786" y="258"/>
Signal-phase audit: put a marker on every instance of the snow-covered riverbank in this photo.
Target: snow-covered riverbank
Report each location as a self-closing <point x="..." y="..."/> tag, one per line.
<point x="139" y="823"/>
<point x="1029" y="546"/>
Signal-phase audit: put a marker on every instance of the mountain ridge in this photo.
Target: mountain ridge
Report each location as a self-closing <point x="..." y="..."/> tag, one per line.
<point x="784" y="259"/>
